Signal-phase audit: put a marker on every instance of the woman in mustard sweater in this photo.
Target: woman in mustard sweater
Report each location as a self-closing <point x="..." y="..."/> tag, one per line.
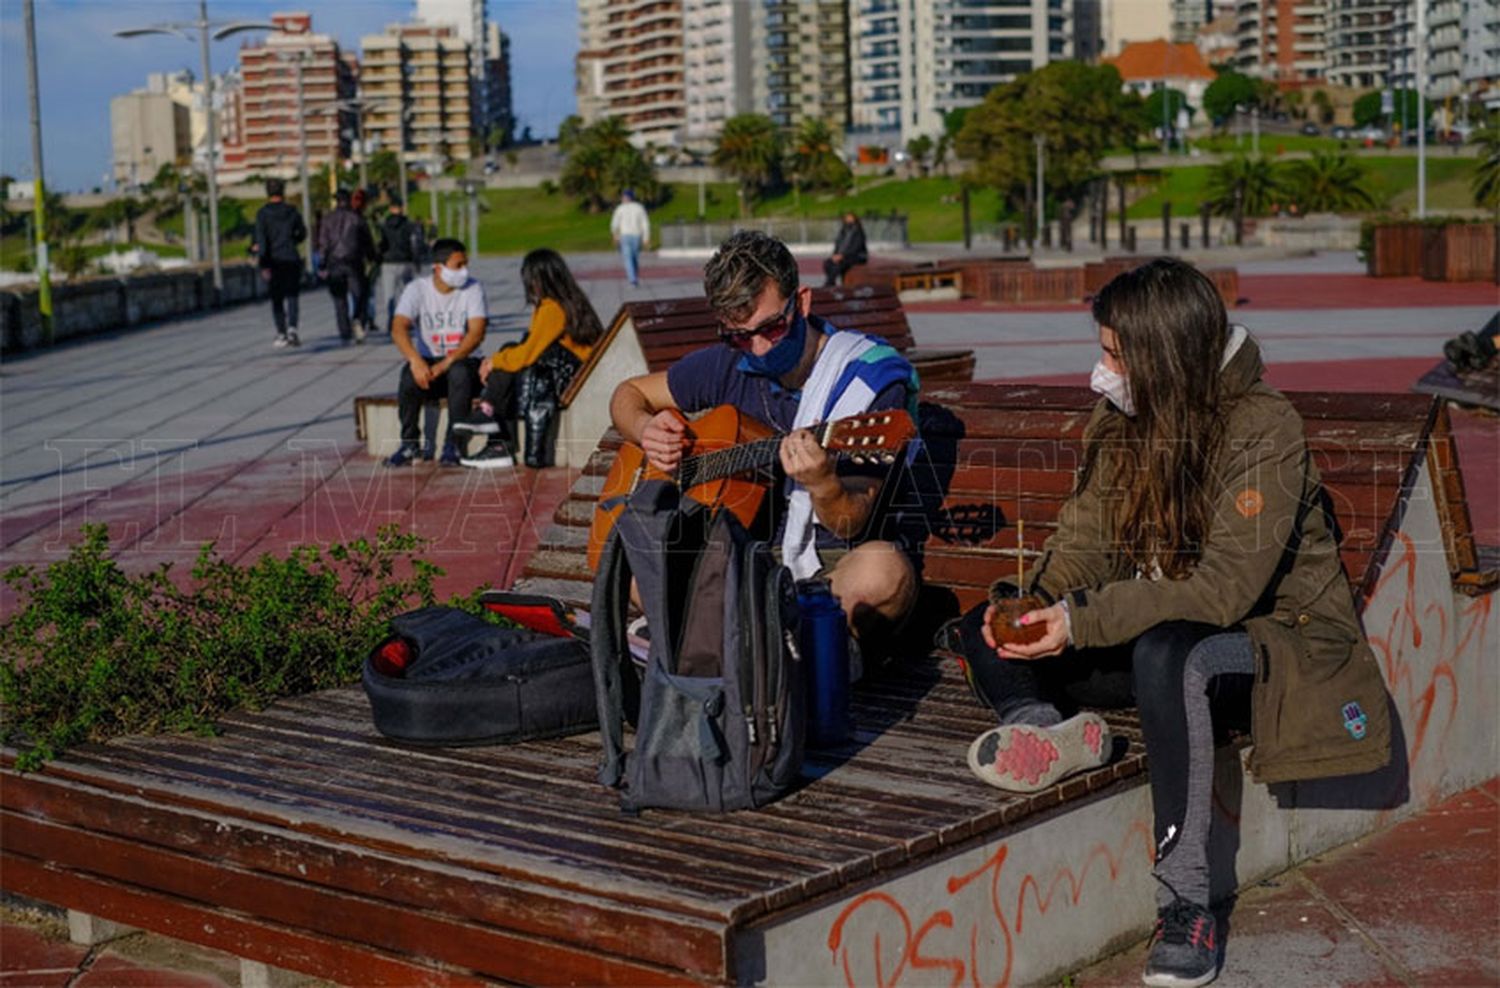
<point x="526" y="378"/>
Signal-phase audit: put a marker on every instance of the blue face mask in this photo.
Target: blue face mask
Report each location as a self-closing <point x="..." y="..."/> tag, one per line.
<point x="782" y="357"/>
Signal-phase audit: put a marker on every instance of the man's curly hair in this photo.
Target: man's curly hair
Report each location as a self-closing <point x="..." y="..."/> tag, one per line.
<point x="737" y="273"/>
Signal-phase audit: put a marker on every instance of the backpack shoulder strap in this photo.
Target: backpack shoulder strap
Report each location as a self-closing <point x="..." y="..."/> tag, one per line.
<point x="609" y="654"/>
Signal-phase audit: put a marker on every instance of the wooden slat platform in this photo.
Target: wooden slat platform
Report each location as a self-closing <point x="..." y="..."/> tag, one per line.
<point x="504" y="862"/>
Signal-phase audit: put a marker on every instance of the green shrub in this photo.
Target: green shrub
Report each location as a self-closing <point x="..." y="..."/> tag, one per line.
<point x="92" y="652"/>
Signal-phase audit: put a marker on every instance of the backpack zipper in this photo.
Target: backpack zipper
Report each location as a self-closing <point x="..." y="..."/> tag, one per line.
<point x="760" y="725"/>
<point x="777" y="636"/>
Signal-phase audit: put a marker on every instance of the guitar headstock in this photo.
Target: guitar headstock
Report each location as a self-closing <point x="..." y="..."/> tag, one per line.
<point x="870" y="437"/>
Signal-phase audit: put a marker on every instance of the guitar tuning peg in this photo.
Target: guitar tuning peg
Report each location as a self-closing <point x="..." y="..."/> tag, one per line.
<point x="858" y="458"/>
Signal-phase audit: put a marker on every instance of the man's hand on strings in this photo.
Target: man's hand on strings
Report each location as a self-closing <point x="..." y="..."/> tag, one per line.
<point x="662" y="439"/>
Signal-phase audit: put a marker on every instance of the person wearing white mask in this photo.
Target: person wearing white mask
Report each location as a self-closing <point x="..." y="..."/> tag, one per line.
<point x="439" y="322"/>
<point x="1192" y="563"/>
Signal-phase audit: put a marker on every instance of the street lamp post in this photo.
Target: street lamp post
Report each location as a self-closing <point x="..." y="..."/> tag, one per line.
<point x="202" y="25"/>
<point x="1041" y="187"/>
<point x="38" y="184"/>
<point x="1421" y="42"/>
<point x="302" y="154"/>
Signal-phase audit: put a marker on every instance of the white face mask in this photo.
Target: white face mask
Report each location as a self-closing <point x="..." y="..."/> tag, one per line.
<point x="1112" y="386"/>
<point x="454" y="278"/>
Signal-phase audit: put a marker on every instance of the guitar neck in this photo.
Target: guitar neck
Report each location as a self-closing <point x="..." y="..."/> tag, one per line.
<point x="721" y="463"/>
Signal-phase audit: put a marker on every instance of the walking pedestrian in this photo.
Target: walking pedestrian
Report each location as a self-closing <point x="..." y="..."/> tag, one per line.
<point x="631" y="228"/>
<point x="278" y="231"/>
<point x="346" y="246"/>
<point x="401" y="248"/>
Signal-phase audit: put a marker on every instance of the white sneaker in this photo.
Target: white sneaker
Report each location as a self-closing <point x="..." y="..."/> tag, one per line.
<point x="359" y="331"/>
<point x="280" y="341"/>
<point x="1025" y="758"/>
<point x="490" y="458"/>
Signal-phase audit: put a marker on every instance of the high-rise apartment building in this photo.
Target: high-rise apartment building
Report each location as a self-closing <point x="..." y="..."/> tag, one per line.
<point x="716" y="65"/>
<point x="268" y="100"/>
<point x="588" y="64"/>
<point x="1445" y="47"/>
<point x="642" y="70"/>
<point x="801" y="66"/>
<point x="426" y="70"/>
<point x="147" y="130"/>
<point x="1357" y="47"/>
<point x="914" y="60"/>
<point x="1282" y="41"/>
<point x="1188" y="16"/>
<point x="489" y="61"/>
<point x="1481" y="51"/>
<point x="1122" y="22"/>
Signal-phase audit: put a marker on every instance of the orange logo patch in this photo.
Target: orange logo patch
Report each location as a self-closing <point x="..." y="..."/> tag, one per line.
<point x="1250" y="502"/>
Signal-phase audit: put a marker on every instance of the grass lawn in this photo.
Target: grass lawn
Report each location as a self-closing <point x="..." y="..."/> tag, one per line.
<point x="1392" y="180"/>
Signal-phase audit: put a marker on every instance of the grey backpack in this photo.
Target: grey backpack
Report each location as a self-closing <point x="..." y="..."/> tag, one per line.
<point x="718" y="710"/>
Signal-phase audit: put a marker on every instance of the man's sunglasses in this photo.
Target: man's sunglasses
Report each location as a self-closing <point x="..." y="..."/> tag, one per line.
<point x="772" y="330"/>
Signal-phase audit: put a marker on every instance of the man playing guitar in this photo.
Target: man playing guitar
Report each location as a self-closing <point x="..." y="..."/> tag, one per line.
<point x="775" y="357"/>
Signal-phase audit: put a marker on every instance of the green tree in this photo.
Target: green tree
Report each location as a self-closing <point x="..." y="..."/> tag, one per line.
<point x="1242" y="182"/>
<point x="1323" y="106"/>
<point x="1153" y="113"/>
<point x="1328" y="182"/>
<point x="1367" y="108"/>
<point x="1229" y="90"/>
<point x="1079" y="110"/>
<point x="917" y="150"/>
<point x="384" y="170"/>
<point x="122" y="211"/>
<point x="601" y="163"/>
<point x="749" y="148"/>
<point x="1486" y="181"/>
<point x="813" y="161"/>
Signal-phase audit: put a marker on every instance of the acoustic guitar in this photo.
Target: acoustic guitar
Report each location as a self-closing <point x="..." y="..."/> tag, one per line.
<point x="730" y="459"/>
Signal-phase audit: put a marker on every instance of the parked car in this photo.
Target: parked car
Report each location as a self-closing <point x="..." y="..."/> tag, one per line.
<point x="1310" y="129"/>
<point x="1340" y="133"/>
<point x="1370" y="133"/>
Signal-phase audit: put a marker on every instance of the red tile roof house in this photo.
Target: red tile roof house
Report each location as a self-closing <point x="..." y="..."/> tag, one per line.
<point x="1147" y="65"/>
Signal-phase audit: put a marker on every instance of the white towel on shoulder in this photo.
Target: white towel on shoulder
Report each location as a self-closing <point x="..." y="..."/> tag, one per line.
<point x="798" y="543"/>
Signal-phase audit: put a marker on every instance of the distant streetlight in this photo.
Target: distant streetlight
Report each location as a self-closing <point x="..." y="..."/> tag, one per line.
<point x="180" y="29"/>
<point x="1421" y="44"/>
<point x="38" y="184"/>
<point x="1041" y="188"/>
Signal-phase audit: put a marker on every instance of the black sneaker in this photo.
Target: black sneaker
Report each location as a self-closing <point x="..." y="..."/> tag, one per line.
<point x="1184" y="947"/>
<point x="492" y="457"/>
<point x="478" y="422"/>
<point x="403" y="457"/>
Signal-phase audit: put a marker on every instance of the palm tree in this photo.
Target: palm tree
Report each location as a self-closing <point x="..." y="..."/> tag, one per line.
<point x="1242" y="185"/>
<point x="749" y="148"/>
<point x="813" y="161"/>
<point x="1486" y="182"/>
<point x="602" y="162"/>
<point x="1328" y="182"/>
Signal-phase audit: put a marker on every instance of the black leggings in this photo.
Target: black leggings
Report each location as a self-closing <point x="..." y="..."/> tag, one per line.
<point x="1175" y="674"/>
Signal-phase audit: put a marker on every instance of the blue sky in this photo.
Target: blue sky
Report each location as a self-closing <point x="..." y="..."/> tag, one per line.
<point x="81" y="65"/>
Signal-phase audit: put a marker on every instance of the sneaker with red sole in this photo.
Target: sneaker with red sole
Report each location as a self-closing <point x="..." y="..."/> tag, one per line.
<point x="1026" y="758"/>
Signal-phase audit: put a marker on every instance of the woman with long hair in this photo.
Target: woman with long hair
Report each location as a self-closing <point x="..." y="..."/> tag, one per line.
<point x="521" y="379"/>
<point x="1193" y="567"/>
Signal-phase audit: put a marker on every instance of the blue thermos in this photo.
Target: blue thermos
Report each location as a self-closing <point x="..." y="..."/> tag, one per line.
<point x="825" y="654"/>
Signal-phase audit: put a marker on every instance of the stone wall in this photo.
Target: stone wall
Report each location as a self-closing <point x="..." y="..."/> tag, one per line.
<point x="87" y="306"/>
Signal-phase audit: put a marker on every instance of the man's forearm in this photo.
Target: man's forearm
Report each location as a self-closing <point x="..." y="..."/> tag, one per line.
<point x="630" y="411"/>
<point x="843" y="510"/>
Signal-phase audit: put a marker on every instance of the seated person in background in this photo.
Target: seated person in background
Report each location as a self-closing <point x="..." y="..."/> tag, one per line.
<point x="848" y="250"/>
<point x="782" y="365"/>
<point x="445" y="311"/>
<point x="1193" y="563"/>
<point x="564" y="328"/>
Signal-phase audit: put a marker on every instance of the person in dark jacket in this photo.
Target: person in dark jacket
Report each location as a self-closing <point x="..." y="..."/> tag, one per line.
<point x="848" y="250"/>
<point x="278" y="231"/>
<point x="346" y="246"/>
<point x="402" y="247"/>
<point x="1194" y="572"/>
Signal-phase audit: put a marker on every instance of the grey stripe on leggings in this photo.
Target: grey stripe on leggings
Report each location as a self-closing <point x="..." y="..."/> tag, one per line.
<point x="1185" y="867"/>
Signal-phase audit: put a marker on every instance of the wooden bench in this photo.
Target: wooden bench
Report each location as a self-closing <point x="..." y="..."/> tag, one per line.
<point x="650" y="336"/>
<point x="300" y="838"/>
<point x="1017" y="281"/>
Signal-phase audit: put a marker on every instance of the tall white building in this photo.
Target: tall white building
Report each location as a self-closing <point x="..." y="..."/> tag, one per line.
<point x="716" y="65"/>
<point x="1481" y="51"/>
<point x="489" y="59"/>
<point x="914" y="60"/>
<point x="1357" y="43"/>
<point x="801" y="68"/>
